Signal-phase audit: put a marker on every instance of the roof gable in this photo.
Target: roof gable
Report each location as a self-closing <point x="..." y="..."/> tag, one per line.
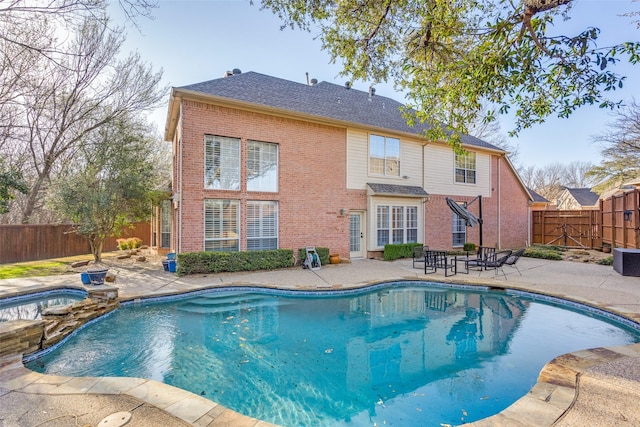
<point x="323" y="100"/>
<point x="584" y="196"/>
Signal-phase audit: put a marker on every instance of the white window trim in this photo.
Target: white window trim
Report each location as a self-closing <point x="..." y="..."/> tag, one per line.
<point x="277" y="171"/>
<point x="458" y="220"/>
<point x="390" y="205"/>
<point x="208" y="139"/>
<point x="263" y="203"/>
<point x="222" y="239"/>
<point x="384" y="159"/>
<point x="465" y="168"/>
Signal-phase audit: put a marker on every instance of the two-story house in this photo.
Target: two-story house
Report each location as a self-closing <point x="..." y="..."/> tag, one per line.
<point x="262" y="163"/>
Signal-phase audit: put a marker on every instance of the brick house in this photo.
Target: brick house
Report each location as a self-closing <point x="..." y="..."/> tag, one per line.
<point x="261" y="162"/>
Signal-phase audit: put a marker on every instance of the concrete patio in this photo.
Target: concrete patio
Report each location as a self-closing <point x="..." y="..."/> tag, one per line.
<point x="590" y="387"/>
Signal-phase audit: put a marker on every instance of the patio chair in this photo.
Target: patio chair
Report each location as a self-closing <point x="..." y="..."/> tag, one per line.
<point x="513" y="259"/>
<point x="485" y="254"/>
<point x="433" y="260"/>
<point x="498" y="263"/>
<point x="418" y="254"/>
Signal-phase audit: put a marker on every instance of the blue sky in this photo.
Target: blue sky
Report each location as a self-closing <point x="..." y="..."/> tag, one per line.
<point x="194" y="41"/>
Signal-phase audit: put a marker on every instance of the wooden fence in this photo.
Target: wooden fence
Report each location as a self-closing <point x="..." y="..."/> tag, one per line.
<point x="616" y="224"/>
<point x="573" y="229"/>
<point x="621" y="220"/>
<point x="32" y="242"/>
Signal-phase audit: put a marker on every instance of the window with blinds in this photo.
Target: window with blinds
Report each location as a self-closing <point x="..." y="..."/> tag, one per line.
<point x="262" y="166"/>
<point x="396" y="224"/>
<point x="221" y="163"/>
<point x="383" y="225"/>
<point x="262" y="225"/>
<point x="412" y="224"/>
<point x="459" y="230"/>
<point x="165" y="224"/>
<point x="221" y="225"/>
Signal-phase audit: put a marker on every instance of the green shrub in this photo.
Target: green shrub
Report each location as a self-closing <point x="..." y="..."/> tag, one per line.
<point x="323" y="253"/>
<point x="544" y="252"/>
<point x="605" y="261"/>
<point x="403" y="250"/>
<point x="130" y="243"/>
<point x="218" y="262"/>
<point x="469" y="247"/>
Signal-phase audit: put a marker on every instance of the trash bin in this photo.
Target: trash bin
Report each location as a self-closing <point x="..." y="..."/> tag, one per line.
<point x="165" y="264"/>
<point x="171" y="255"/>
<point x="172" y="265"/>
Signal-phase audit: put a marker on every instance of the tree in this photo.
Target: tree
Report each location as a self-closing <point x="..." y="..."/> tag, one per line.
<point x="89" y="87"/>
<point x="621" y="152"/>
<point x="450" y="57"/>
<point x="551" y="179"/>
<point x="113" y="185"/>
<point x="491" y="132"/>
<point x="10" y="182"/>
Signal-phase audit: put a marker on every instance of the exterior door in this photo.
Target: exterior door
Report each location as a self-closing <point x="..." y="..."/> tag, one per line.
<point x="356" y="235"/>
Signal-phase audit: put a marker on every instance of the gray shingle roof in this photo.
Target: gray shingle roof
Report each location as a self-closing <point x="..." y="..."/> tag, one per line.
<point x="399" y="190"/>
<point x="324" y="100"/>
<point x="584" y="196"/>
<point x="537" y="197"/>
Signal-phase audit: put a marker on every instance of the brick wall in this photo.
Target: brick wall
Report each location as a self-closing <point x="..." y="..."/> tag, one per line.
<point x="311" y="182"/>
<point x="505" y="213"/>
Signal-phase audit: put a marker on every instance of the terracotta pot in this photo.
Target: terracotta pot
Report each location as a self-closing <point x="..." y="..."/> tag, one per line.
<point x="334" y="259"/>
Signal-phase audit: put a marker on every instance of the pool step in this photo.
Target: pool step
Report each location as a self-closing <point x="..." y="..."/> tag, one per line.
<point x="226" y="307"/>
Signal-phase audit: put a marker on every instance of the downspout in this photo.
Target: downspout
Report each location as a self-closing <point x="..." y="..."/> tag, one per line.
<point x="181" y="180"/>
<point x="499" y="205"/>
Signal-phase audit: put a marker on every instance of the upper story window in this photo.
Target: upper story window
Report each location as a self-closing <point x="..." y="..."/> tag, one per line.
<point x="384" y="155"/>
<point x="221" y="163"/>
<point x="262" y="166"/>
<point x="466" y="168"/>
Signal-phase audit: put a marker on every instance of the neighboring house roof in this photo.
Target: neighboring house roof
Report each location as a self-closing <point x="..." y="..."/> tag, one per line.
<point x="322" y="100"/>
<point x="537" y="198"/>
<point x="584" y="196"/>
<point x="397" y="190"/>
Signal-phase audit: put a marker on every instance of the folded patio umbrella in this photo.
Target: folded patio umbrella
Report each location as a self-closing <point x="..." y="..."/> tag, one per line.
<point x="462" y="212"/>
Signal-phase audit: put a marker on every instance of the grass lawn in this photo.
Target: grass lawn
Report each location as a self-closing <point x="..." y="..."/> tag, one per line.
<point x="48" y="267"/>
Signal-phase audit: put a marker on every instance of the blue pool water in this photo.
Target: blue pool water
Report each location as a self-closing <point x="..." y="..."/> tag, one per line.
<point x="410" y="355"/>
<point x="30" y="307"/>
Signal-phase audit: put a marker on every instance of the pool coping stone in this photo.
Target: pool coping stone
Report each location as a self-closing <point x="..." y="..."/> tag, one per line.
<point x="551" y="402"/>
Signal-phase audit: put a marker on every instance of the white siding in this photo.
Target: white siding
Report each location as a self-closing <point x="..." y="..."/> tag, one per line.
<point x="439" y="165"/>
<point x="358" y="162"/>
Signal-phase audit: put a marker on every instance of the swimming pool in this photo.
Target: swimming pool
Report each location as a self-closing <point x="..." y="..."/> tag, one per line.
<point x="405" y="354"/>
<point x="30" y="307"/>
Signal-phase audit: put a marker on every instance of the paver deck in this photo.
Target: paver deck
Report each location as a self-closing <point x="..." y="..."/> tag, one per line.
<point x="591" y="387"/>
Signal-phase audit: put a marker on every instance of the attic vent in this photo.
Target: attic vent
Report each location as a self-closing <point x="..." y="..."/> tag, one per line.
<point x="347" y="85"/>
<point x="314" y="82"/>
<point x="372" y="90"/>
<point x="235" y="71"/>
